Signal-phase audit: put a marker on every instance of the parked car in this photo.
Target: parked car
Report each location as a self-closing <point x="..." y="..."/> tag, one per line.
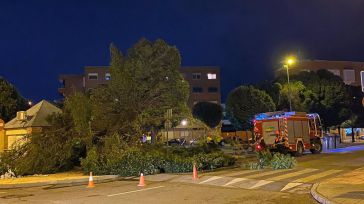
<point x="177" y="142"/>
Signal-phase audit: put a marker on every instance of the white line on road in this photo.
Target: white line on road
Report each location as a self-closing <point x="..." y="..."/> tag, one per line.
<point x="290" y="185"/>
<point x="210" y="179"/>
<point x="260" y="183"/>
<point x="235" y="181"/>
<point x="145" y="189"/>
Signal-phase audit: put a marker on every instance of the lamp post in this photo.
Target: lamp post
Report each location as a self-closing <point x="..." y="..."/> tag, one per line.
<point x="289" y="62"/>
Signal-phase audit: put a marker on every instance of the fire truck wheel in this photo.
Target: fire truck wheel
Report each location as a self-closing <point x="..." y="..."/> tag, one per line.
<point x="300" y="150"/>
<point x="317" y="147"/>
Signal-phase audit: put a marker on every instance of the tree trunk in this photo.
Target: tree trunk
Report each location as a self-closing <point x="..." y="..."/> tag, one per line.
<point x="352" y="135"/>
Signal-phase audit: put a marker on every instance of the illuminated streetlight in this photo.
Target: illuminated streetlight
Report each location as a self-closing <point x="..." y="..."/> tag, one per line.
<point x="289" y="61"/>
<point x="30" y="103"/>
<point x="184" y="122"/>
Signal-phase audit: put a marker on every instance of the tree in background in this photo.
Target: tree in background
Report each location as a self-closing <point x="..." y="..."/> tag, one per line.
<point x="145" y="83"/>
<point x="301" y="97"/>
<point x="356" y="107"/>
<point x="10" y="100"/>
<point x="321" y="92"/>
<point x="244" y="102"/>
<point x="331" y="98"/>
<point x="209" y="113"/>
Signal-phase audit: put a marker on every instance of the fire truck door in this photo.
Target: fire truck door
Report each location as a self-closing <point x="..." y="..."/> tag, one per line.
<point x="269" y="131"/>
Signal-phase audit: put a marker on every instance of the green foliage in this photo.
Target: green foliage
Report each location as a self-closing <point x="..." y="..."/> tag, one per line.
<point x="274" y="161"/>
<point x="55" y="149"/>
<point x="10" y="100"/>
<point x="155" y="159"/>
<point x="355" y="104"/>
<point x="265" y="158"/>
<point x="79" y="107"/>
<point x="282" y="161"/>
<point x="301" y="97"/>
<point x="321" y="92"/>
<point x="209" y="113"/>
<point x="246" y="101"/>
<point x="145" y="83"/>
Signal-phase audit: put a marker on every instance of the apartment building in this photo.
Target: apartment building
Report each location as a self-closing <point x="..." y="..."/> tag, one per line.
<point x="204" y="82"/>
<point x="349" y="71"/>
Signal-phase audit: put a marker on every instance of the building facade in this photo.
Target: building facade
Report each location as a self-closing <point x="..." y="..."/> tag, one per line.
<point x="204" y="82"/>
<point x="32" y="121"/>
<point x="349" y="71"/>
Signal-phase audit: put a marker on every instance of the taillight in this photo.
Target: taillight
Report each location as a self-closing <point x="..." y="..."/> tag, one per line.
<point x="258" y="147"/>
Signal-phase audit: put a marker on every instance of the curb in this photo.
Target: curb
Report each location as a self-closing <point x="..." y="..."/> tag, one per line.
<point x="70" y="182"/>
<point x="318" y="197"/>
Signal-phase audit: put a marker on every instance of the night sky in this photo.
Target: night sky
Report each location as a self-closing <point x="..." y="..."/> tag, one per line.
<point x="41" y="39"/>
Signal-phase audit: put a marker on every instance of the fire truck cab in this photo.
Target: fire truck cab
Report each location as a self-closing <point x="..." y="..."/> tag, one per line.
<point x="286" y="132"/>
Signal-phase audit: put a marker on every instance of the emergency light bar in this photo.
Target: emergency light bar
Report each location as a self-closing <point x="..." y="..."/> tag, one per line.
<point x="279" y="114"/>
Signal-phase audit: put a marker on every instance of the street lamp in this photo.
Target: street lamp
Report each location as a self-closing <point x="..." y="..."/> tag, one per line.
<point x="184" y="122"/>
<point x="289" y="61"/>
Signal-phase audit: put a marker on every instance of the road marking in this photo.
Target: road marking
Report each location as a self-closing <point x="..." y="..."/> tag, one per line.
<point x="293" y="174"/>
<point x="210" y="179"/>
<point x="267" y="173"/>
<point x="317" y="176"/>
<point x="260" y="183"/>
<point x="239" y="173"/>
<point x="236" y="180"/>
<point x="290" y="185"/>
<point x="145" y="189"/>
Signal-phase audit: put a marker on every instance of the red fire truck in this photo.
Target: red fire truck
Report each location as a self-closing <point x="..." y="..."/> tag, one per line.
<point x="288" y="132"/>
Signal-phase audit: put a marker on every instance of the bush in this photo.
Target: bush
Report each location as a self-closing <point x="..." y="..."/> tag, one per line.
<point x="155" y="159"/>
<point x="281" y="161"/>
<point x="264" y="158"/>
<point x="275" y="161"/>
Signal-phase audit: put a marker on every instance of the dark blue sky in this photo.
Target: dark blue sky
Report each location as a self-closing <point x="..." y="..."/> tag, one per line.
<point x="41" y="39"/>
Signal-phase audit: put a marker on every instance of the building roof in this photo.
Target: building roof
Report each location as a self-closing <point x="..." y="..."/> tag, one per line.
<point x="36" y="116"/>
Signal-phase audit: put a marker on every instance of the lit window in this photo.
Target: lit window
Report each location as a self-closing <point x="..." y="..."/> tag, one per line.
<point x="211" y="76"/>
<point x="212" y="89"/>
<point x="107" y="76"/>
<point x="93" y="76"/>
<point x="196" y="76"/>
<point x="197" y="90"/>
<point x="349" y="76"/>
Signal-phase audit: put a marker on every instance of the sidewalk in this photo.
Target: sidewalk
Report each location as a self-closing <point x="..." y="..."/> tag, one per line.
<point x="344" y="189"/>
<point x="65" y="179"/>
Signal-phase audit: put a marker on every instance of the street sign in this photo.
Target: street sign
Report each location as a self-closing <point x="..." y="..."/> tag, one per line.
<point x="362" y="80"/>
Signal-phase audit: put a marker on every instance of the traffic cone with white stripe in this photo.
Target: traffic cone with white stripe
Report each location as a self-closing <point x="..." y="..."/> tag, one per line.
<point x="90" y="181"/>
<point x="195" y="174"/>
<point x="141" y="180"/>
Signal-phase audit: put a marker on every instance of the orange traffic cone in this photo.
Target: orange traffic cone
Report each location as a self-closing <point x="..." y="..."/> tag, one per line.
<point x="141" y="180"/>
<point x="90" y="181"/>
<point x="195" y="176"/>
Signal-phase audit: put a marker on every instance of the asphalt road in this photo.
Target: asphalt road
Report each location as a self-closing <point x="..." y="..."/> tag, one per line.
<point x="227" y="186"/>
<point x="154" y="192"/>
